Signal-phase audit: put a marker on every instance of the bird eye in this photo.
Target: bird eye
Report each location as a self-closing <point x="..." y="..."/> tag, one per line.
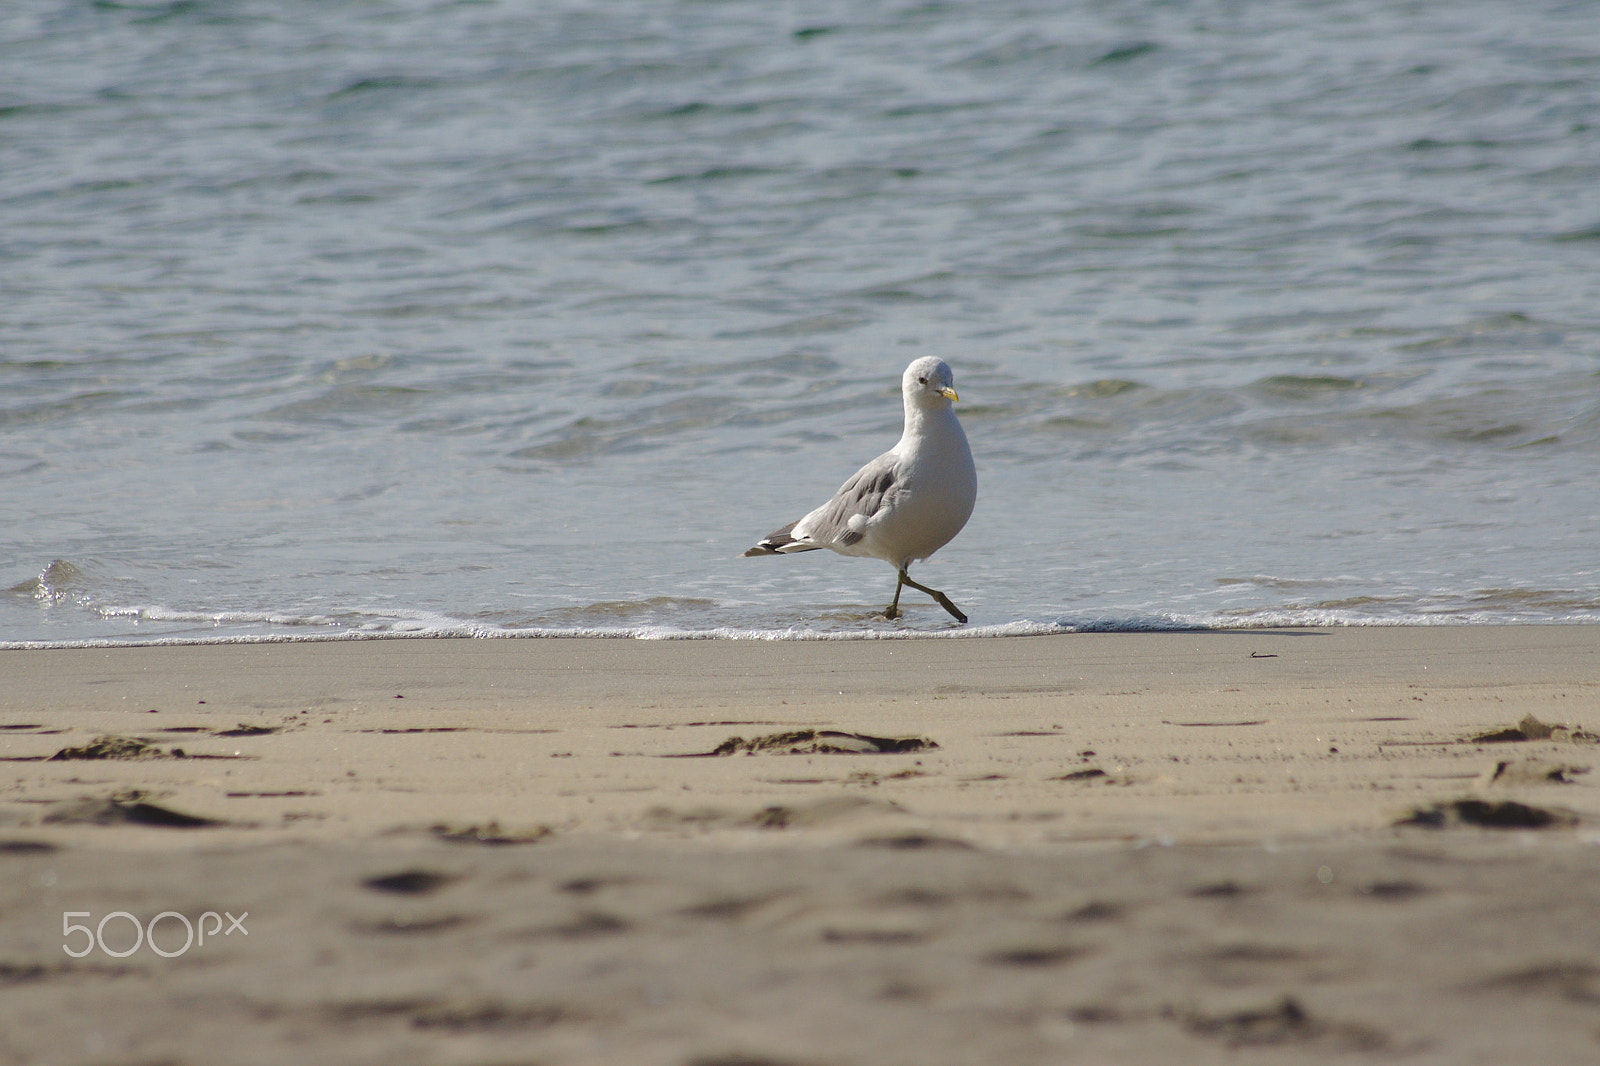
<point x="922" y="381"/>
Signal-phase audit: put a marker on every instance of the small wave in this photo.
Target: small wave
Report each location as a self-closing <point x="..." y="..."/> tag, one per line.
<point x="289" y="629"/>
<point x="617" y="612"/>
<point x="65" y="582"/>
<point x="55" y="583"/>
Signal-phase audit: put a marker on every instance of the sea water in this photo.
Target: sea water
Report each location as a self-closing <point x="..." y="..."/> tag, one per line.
<point x="383" y="317"/>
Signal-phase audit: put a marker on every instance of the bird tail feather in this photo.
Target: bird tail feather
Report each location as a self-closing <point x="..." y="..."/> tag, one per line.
<point x="779" y="542"/>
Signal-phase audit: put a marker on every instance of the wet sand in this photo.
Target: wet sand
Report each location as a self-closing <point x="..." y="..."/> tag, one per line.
<point x="1285" y="846"/>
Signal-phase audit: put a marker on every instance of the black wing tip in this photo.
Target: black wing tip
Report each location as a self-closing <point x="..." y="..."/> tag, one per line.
<point x="774" y="543"/>
<point x="777" y="544"/>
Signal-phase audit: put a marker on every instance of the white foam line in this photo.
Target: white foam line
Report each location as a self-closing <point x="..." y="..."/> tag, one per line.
<point x="448" y="629"/>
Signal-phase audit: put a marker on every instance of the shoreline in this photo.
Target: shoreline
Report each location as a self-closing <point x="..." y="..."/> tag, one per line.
<point x="672" y="635"/>
<point x="1136" y="846"/>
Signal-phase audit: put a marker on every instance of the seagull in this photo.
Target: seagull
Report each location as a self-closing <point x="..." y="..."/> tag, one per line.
<point x="908" y="502"/>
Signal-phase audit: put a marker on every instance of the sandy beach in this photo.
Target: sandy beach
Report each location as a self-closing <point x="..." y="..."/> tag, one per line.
<point x="1215" y="846"/>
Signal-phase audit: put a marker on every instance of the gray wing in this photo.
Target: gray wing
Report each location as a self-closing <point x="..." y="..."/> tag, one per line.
<point x="872" y="488"/>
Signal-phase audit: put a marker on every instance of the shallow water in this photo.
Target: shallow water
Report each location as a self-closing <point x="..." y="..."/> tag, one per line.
<point x="362" y="317"/>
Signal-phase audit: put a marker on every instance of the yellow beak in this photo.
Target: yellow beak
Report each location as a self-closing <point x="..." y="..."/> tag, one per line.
<point x="948" y="393"/>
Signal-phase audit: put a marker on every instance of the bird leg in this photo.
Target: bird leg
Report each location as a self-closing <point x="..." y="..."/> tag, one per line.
<point x="893" y="610"/>
<point x="944" y="601"/>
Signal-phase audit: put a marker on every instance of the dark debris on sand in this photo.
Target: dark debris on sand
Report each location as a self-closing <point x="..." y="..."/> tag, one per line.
<point x="1530" y="728"/>
<point x="1286" y="1022"/>
<point x="110" y="746"/>
<point x="125" y="808"/>
<point x="820" y="742"/>
<point x="1489" y="814"/>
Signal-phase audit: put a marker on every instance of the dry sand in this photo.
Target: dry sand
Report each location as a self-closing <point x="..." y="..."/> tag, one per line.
<point x="1250" y="846"/>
